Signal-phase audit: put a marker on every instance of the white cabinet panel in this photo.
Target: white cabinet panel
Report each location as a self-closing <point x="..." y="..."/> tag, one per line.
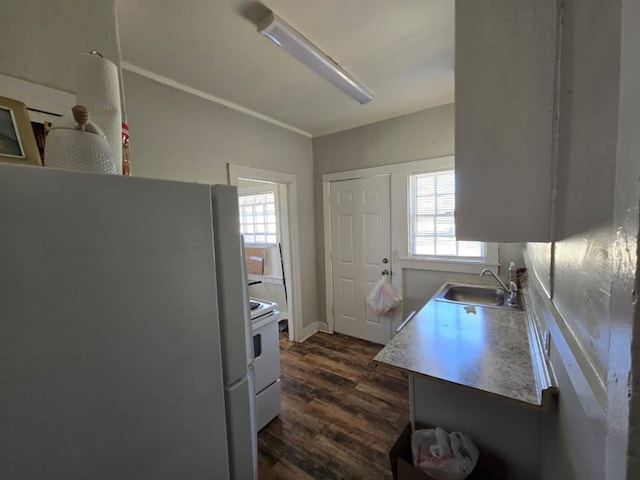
<point x="506" y="58"/>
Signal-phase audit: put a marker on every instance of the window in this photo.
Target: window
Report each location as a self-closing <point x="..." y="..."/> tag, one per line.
<point x="432" y="226"/>
<point x="258" y="221"/>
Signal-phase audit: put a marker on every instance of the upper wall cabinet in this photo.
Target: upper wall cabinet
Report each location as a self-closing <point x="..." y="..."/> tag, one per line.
<point x="505" y="74"/>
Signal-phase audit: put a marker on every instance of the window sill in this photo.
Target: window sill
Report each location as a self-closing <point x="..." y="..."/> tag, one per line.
<point x="466" y="266"/>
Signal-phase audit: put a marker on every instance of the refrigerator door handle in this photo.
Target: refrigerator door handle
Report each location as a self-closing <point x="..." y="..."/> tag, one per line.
<point x="232" y="385"/>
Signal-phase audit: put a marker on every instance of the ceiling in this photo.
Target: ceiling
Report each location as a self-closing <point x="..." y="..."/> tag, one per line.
<point x="402" y="50"/>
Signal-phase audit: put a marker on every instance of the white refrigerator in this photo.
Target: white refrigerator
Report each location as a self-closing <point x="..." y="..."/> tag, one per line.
<point x="125" y="336"/>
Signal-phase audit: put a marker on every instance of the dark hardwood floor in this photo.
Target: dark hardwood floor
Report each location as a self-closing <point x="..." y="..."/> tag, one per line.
<point x="340" y="412"/>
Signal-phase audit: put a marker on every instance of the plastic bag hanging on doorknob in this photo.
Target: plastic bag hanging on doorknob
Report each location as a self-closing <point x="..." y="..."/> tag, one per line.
<point x="384" y="297"/>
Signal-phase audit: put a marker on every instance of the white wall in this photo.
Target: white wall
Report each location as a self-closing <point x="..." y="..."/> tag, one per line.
<point x="41" y="38"/>
<point x="177" y="136"/>
<point x="416" y="136"/>
<point x="586" y="171"/>
<point x="591" y="270"/>
<point x="623" y="416"/>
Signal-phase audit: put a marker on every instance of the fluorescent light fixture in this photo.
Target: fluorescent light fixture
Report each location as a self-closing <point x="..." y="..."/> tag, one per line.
<point x="276" y="29"/>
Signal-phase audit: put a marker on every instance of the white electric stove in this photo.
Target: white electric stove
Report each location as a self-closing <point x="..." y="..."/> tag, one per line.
<point x="266" y="346"/>
<point x="260" y="308"/>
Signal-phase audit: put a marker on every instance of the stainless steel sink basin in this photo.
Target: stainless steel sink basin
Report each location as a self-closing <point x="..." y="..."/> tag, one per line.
<point x="474" y="295"/>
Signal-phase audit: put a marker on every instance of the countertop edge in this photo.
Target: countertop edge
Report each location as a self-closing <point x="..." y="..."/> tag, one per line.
<point x="488" y="393"/>
<point x="545" y="380"/>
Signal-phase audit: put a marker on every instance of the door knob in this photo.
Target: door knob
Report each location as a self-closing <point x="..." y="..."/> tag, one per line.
<point x="385" y="272"/>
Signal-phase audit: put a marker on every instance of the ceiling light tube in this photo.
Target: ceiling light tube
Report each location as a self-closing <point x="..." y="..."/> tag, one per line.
<point x="279" y="31"/>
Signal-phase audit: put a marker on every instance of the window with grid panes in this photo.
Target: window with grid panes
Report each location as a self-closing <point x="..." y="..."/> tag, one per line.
<point x="433" y="231"/>
<point x="258" y="222"/>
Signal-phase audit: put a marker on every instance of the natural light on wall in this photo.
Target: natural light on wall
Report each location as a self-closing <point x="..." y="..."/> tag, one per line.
<point x="258" y="218"/>
<point x="432" y="223"/>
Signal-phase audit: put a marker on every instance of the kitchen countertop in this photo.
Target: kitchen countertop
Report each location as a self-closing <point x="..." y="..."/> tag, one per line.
<point x="483" y="348"/>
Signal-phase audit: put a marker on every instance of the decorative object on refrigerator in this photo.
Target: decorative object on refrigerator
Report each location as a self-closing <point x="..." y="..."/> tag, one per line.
<point x="17" y="142"/>
<point x="79" y="144"/>
<point x="126" y="162"/>
<point x="98" y="88"/>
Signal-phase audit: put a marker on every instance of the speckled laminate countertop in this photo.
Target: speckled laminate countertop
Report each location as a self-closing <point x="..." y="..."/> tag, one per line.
<point x="487" y="349"/>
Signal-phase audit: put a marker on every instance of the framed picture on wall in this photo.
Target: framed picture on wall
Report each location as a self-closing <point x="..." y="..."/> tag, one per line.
<point x="17" y="141"/>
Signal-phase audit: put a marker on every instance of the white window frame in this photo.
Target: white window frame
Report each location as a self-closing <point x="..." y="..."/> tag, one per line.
<point x="259" y="190"/>
<point x="419" y="262"/>
<point x="413" y="235"/>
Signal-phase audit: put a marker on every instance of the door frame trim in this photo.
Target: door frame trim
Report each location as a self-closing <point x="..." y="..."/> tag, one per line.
<point x="328" y="263"/>
<point x="289" y="235"/>
<point x="438" y="163"/>
<point x="329" y="283"/>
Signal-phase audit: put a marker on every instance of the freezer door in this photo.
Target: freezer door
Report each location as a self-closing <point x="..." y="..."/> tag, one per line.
<point x="110" y="360"/>
<point x="233" y="299"/>
<point x="250" y="353"/>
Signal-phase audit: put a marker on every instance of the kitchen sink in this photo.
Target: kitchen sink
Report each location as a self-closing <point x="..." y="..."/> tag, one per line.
<point x="474" y="295"/>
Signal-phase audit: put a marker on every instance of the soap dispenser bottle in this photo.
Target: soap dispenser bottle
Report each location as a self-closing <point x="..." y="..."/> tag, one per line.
<point x="513" y="277"/>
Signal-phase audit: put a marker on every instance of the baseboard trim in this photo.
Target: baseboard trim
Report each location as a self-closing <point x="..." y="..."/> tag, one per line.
<point x="323" y="327"/>
<point x="309" y="330"/>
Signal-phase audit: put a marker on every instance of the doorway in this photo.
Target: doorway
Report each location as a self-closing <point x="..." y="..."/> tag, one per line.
<point x="272" y="235"/>
<point x="360" y="254"/>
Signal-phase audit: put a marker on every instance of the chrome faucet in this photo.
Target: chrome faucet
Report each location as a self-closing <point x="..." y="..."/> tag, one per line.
<point x="512" y="290"/>
<point x="488" y="270"/>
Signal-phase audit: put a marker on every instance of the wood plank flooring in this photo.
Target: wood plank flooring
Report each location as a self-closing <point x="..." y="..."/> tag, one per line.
<point x="340" y="413"/>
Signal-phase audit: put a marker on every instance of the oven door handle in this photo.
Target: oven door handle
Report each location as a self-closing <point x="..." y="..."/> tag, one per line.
<point x="262" y="321"/>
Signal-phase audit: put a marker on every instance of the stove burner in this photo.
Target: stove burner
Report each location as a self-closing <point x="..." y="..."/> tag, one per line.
<point x="254" y="305"/>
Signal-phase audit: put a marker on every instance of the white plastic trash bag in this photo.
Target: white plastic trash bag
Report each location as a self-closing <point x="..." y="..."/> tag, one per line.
<point x="384" y="297"/>
<point x="444" y="456"/>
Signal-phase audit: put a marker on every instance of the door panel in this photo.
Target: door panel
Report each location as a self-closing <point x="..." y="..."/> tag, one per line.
<point x="361" y="239"/>
<point x="371" y="316"/>
<point x="346" y="239"/>
<point x="372" y="231"/>
<point x="347" y="298"/>
<point x="346" y="197"/>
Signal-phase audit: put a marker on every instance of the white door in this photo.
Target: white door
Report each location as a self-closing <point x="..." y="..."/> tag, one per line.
<point x="360" y="246"/>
